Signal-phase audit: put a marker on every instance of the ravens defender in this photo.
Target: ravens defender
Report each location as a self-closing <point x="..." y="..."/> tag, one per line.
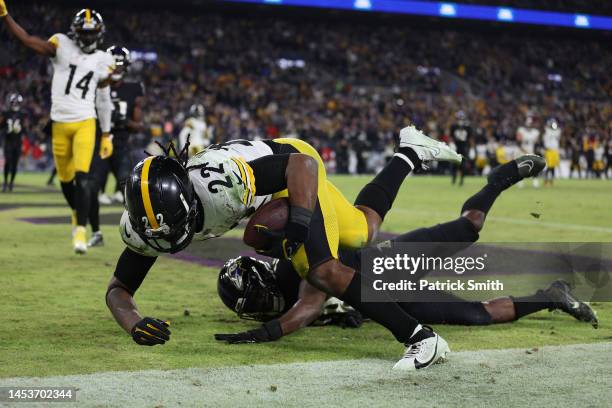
<point x="79" y="68"/>
<point x="12" y="124"/>
<point x="263" y="291"/>
<point x="169" y="203"/>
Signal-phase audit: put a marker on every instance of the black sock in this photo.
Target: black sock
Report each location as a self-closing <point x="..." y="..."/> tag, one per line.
<point x="530" y="304"/>
<point x="388" y="314"/>
<point x="82" y="197"/>
<point x="380" y="193"/>
<point x="94" y="210"/>
<point x="68" y="191"/>
<point x="501" y="178"/>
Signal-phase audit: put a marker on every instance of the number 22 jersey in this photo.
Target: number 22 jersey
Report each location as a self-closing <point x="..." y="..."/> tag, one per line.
<point x="75" y="78"/>
<point x="225" y="185"/>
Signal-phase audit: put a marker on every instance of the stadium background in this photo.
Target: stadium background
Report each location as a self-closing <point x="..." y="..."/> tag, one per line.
<point x="346" y="82"/>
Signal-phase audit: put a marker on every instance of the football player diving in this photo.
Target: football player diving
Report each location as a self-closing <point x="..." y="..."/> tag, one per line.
<point x="171" y="202"/>
<point x="78" y="69"/>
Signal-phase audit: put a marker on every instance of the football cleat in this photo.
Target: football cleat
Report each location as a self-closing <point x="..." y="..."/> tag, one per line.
<point x="79" y="241"/>
<point x="530" y="165"/>
<point x="117" y="197"/>
<point x="427" y="148"/>
<point x="105" y="199"/>
<point x="96" y="240"/>
<point x="559" y="292"/>
<point x="427" y="350"/>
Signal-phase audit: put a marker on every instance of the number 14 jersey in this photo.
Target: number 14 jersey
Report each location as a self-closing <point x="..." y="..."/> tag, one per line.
<point x="75" y="78"/>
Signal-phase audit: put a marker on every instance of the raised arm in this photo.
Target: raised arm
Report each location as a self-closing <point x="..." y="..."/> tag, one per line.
<point x="131" y="270"/>
<point x="33" y="42"/>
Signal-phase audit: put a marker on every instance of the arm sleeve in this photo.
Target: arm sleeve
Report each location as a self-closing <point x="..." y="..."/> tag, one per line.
<point x="104" y="106"/>
<point x="270" y="173"/>
<point x="132" y="268"/>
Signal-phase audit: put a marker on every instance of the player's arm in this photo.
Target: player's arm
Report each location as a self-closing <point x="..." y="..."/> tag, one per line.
<point x="104" y="107"/>
<point x="33" y="42"/>
<point x="131" y="270"/>
<point x="298" y="173"/>
<point x="304" y="311"/>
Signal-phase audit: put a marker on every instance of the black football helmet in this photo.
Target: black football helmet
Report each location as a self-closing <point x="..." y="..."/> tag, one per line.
<point x="248" y="287"/>
<point x="122" y="59"/>
<point x="87" y="30"/>
<point x="14" y="101"/>
<point x="161" y="203"/>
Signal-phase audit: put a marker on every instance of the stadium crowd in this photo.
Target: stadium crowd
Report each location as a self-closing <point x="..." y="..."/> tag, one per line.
<point x="345" y="87"/>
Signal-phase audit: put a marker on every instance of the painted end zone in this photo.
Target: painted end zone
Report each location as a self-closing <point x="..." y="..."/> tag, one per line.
<point x="576" y="375"/>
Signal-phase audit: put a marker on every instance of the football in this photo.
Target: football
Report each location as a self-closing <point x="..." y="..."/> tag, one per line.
<point x="273" y="215"/>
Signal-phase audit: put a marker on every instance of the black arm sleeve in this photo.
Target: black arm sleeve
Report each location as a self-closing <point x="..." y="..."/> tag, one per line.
<point x="270" y="173"/>
<point x="132" y="268"/>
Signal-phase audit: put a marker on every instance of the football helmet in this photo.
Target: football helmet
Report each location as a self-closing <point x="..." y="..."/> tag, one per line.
<point x="122" y="59"/>
<point x="87" y="30"/>
<point x="248" y="287"/>
<point x="197" y="111"/>
<point x="14" y="101"/>
<point x="161" y="203"/>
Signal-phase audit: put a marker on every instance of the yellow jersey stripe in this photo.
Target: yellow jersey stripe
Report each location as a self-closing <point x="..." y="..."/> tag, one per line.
<point x="87" y="16"/>
<point x="245" y="197"/>
<point x="144" y="190"/>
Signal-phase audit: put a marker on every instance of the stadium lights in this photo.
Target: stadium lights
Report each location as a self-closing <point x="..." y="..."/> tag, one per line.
<point x="454" y="10"/>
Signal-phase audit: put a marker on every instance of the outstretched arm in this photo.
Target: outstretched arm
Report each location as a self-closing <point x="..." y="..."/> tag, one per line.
<point x="33" y="42"/>
<point x="131" y="270"/>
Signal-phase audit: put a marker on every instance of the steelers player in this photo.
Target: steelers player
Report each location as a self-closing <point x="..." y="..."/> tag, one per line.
<point x="195" y="130"/>
<point x="551" y="140"/>
<point x="79" y="68"/>
<point x="169" y="203"/>
<point x="527" y="136"/>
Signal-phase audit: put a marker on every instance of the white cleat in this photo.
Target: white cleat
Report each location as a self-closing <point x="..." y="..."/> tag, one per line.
<point x="104" y="199"/>
<point x="117" y="197"/>
<point x="79" y="241"/>
<point x="427" y="148"/>
<point x="423" y="353"/>
<point x="96" y="240"/>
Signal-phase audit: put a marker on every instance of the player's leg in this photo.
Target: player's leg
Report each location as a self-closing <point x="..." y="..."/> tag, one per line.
<point x="61" y="140"/>
<point x="95" y="171"/>
<point x="7" y="153"/>
<point x="83" y="150"/>
<point x="14" y="162"/>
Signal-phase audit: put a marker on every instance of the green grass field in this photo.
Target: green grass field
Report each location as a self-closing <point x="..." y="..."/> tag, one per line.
<point x="55" y="321"/>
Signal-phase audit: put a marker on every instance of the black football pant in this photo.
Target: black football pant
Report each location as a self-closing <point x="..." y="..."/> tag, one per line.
<point x="12" y="152"/>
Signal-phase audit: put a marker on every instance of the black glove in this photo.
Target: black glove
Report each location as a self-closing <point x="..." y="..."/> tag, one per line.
<point x="269" y="331"/>
<point x="351" y="319"/>
<point x="150" y="331"/>
<point x="285" y="245"/>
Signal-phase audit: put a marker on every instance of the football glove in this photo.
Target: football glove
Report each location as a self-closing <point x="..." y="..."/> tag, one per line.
<point x="281" y="247"/>
<point x="3" y="9"/>
<point x="150" y="331"/>
<point x="106" y="145"/>
<point x="269" y="331"/>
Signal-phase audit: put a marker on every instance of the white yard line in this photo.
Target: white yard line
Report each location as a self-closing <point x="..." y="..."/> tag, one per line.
<point x="576" y="375"/>
<point x="509" y="220"/>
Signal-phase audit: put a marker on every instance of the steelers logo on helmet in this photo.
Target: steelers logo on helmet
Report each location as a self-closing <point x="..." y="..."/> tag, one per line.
<point x="248" y="287"/>
<point x="87" y="30"/>
<point x="161" y="203"/>
<point x="122" y="58"/>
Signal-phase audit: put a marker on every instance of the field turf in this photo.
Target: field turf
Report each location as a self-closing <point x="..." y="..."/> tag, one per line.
<point x="55" y="321"/>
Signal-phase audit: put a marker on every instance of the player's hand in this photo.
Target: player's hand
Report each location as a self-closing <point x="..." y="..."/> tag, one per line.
<point x="281" y="247"/>
<point x="269" y="331"/>
<point x="3" y="9"/>
<point x="150" y="331"/>
<point x="106" y="145"/>
<point x="351" y="319"/>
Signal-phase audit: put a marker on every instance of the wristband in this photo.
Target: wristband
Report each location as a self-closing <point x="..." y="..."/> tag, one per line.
<point x="273" y="327"/>
<point x="299" y="224"/>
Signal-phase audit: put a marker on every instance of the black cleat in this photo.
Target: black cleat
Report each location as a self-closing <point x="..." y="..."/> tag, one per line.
<point x="559" y="292"/>
<point x="530" y="165"/>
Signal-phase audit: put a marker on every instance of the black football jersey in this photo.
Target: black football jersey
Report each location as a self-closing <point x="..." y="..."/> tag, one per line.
<point x="124" y="100"/>
<point x="13" y="124"/>
<point x="461" y="135"/>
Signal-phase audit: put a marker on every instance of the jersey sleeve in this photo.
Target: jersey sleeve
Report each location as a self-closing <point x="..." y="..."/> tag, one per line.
<point x="60" y="41"/>
<point x="106" y="65"/>
<point x="132" y="239"/>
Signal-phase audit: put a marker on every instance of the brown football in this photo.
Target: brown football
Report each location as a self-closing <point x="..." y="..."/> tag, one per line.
<point x="273" y="215"/>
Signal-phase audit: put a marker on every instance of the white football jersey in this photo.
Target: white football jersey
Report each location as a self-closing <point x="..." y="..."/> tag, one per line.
<point x="551" y="138"/>
<point x="529" y="138"/>
<point x="75" y="78"/>
<point x="196" y="130"/>
<point x="225" y="185"/>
